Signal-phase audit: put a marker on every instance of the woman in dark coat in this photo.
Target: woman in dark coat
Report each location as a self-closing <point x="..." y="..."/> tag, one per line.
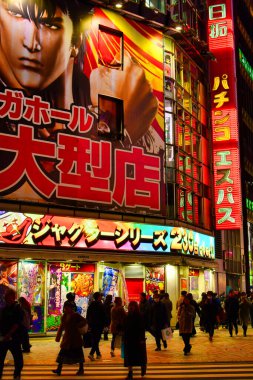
<point x="186" y="313"/>
<point x="135" y="353"/>
<point x="71" y="351"/>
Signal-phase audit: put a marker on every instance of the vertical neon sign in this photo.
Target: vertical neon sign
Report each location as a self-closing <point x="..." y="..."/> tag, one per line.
<point x="227" y="185"/>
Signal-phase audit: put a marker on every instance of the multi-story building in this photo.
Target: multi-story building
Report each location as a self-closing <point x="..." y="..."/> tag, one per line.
<point x="230" y="40"/>
<point x="105" y="146"/>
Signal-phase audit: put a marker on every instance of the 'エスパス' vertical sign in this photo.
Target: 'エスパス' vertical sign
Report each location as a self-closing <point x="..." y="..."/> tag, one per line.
<point x="227" y="187"/>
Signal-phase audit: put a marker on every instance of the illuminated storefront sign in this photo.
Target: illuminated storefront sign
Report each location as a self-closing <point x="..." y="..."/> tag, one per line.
<point x="57" y="231"/>
<point x="226" y="159"/>
<point x="68" y="127"/>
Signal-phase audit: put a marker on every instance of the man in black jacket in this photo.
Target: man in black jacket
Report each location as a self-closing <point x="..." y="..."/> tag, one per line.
<point x="96" y="321"/>
<point x="232" y="311"/>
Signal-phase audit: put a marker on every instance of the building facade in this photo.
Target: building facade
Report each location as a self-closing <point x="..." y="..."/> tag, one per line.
<point x="106" y="154"/>
<point x="230" y="40"/>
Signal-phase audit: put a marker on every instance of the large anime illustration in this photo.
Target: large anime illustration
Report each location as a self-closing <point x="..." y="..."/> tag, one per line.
<point x="71" y="86"/>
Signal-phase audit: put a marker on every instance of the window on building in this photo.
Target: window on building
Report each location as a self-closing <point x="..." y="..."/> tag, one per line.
<point x="110" y="118"/>
<point x="156" y="4"/>
<point x="110" y="47"/>
<point x="187" y="137"/>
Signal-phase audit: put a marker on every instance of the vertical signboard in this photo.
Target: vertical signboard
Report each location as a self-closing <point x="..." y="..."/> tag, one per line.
<point x="226" y="159"/>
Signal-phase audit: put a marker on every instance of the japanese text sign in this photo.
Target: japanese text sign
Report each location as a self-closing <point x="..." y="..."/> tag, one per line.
<point x="227" y="185"/>
<point x="89" y="234"/>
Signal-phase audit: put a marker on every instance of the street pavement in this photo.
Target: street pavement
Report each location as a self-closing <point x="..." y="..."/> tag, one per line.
<point x="223" y="358"/>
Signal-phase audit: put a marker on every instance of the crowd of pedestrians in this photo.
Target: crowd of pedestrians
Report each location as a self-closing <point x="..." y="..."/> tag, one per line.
<point x="127" y="326"/>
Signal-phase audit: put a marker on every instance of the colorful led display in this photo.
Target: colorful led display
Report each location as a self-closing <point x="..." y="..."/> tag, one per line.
<point x="226" y="160"/>
<point x="68" y="232"/>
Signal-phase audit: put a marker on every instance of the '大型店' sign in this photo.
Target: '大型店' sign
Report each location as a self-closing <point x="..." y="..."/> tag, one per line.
<point x="224" y="116"/>
<point x="69" y="232"/>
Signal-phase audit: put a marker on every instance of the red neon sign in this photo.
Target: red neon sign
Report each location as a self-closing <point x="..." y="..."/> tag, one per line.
<point x="227" y="185"/>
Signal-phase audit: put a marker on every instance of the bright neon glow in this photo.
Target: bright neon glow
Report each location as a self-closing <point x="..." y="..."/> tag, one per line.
<point x="66" y="232"/>
<point x="227" y="184"/>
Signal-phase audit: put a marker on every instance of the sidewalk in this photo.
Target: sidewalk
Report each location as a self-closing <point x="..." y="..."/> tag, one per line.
<point x="223" y="349"/>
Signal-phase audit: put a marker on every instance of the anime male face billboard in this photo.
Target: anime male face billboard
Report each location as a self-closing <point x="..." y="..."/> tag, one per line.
<point x="60" y="108"/>
<point x="35" y="44"/>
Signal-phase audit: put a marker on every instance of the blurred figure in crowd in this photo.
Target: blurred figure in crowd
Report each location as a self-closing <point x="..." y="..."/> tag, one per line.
<point x="186" y="313"/>
<point x="232" y="310"/>
<point x="96" y="322"/>
<point x="10" y="332"/>
<point x="159" y="321"/>
<point x="210" y="311"/>
<point x="108" y="304"/>
<point x="26" y="323"/>
<point x="135" y="353"/>
<point x="244" y="312"/>
<point x="118" y="319"/>
<point x="168" y="306"/>
<point x="145" y="309"/>
<point x="71" y="351"/>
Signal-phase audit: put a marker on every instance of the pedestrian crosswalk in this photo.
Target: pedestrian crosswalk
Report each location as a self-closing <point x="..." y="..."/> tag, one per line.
<point x="218" y="371"/>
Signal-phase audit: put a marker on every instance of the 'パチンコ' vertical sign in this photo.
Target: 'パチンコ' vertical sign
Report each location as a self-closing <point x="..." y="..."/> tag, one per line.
<point x="227" y="187"/>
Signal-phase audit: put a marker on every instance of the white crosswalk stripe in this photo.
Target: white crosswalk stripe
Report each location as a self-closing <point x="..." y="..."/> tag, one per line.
<point x="218" y="371"/>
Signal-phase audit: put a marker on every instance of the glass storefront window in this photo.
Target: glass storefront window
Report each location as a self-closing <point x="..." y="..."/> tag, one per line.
<point x="31" y="286"/>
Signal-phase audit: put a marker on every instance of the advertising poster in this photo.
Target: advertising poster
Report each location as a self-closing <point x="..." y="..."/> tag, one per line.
<point x="65" y="277"/>
<point x="107" y="235"/>
<point x="183" y="284"/>
<point x="31" y="280"/>
<point x="82" y="284"/>
<point x="154" y="279"/>
<point x="110" y="281"/>
<point x="8" y="279"/>
<point x="71" y="86"/>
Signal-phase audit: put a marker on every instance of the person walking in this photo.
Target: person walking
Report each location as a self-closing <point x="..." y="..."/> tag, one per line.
<point x="71" y="351"/>
<point x="26" y="323"/>
<point x="201" y="304"/>
<point x="178" y="303"/>
<point x="197" y="311"/>
<point x="145" y="310"/>
<point x="244" y="312"/>
<point x="168" y="306"/>
<point x="108" y="304"/>
<point x="10" y="332"/>
<point x="232" y="310"/>
<point x="210" y="310"/>
<point x="118" y="319"/>
<point x="159" y="321"/>
<point x="135" y="353"/>
<point x="96" y="321"/>
<point x="186" y="313"/>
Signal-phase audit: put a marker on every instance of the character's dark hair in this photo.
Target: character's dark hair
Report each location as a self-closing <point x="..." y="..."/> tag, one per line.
<point x="34" y="9"/>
